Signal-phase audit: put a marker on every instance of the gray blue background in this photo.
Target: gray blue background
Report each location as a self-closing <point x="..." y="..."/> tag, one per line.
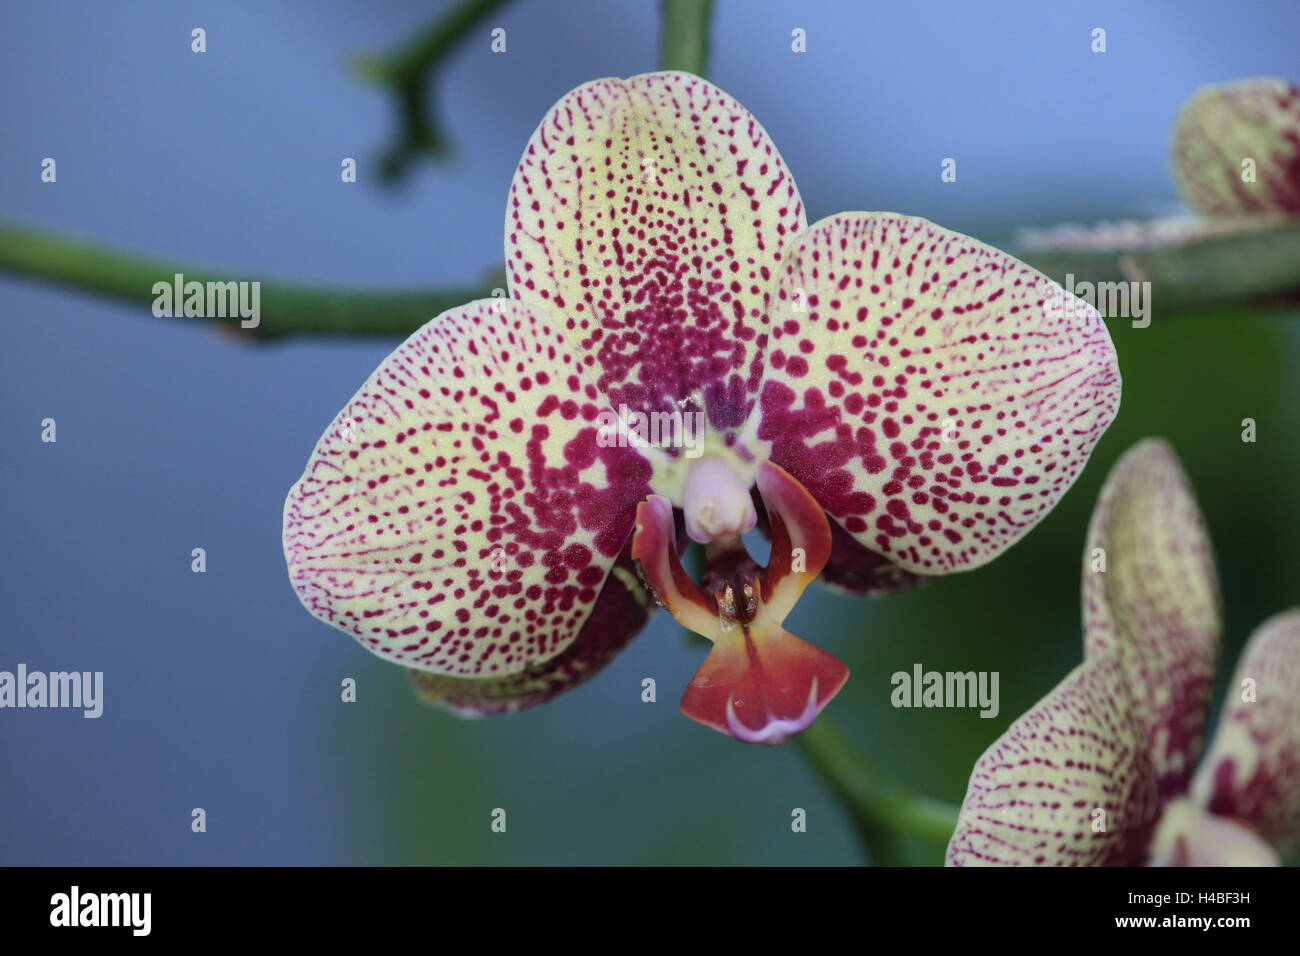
<point x="222" y="693"/>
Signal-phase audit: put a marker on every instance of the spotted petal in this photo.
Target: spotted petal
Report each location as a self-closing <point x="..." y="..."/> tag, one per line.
<point x="651" y="213"/>
<point x="1068" y="784"/>
<point x="620" y="612"/>
<point x="1252" y="769"/>
<point x="1151" y="595"/>
<point x="935" y="395"/>
<point x="460" y="515"/>
<point x="853" y="569"/>
<point x="1236" y="148"/>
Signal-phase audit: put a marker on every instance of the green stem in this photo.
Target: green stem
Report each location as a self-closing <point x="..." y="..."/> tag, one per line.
<point x="407" y="72"/>
<point x="684" y="43"/>
<point x="882" y="808"/>
<point x="1203" y="272"/>
<point x="285" y="308"/>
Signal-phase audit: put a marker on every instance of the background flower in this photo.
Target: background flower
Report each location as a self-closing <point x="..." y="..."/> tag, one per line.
<point x="1236" y="149"/>
<point x="1097" y="773"/>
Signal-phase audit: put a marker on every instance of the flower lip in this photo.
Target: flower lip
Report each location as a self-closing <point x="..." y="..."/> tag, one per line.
<point x="777" y="730"/>
<point x="759" y="684"/>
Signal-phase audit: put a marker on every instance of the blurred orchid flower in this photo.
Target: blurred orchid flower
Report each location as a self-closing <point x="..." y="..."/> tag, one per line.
<point x="1235" y="160"/>
<point x="676" y="336"/>
<point x="1236" y="149"/>
<point x="1102" y="771"/>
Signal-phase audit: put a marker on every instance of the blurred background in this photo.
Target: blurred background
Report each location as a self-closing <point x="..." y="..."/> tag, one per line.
<point x="222" y="693"/>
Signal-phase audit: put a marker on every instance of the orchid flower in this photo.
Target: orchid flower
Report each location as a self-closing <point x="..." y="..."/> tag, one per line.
<point x="887" y="399"/>
<point x="1102" y="771"/>
<point x="1236" y="149"/>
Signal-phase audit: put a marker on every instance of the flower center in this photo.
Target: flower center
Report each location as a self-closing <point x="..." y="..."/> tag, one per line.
<point x="1189" y="835"/>
<point x="716" y="503"/>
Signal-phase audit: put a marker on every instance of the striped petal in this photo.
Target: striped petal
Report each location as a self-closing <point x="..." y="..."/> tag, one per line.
<point x="652" y="213"/>
<point x="930" y="391"/>
<point x="1236" y="148"/>
<point x="460" y="515"/>
<point x="1068" y="784"/>
<point x="1156" y="603"/>
<point x="1251" y="771"/>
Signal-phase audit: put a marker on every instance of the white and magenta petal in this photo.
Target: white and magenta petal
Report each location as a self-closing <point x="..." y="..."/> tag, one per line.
<point x="651" y="214"/>
<point x="855" y="570"/>
<point x="1151" y="594"/>
<point x="1236" y="148"/>
<point x="621" y="610"/>
<point x="936" y="396"/>
<point x="1251" y="771"/>
<point x="460" y="516"/>
<point x="1068" y="784"/>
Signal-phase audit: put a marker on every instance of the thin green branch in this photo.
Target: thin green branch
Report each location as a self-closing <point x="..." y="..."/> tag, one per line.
<point x="684" y="40"/>
<point x="285" y="308"/>
<point x="408" y="71"/>
<point x="883" y="809"/>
